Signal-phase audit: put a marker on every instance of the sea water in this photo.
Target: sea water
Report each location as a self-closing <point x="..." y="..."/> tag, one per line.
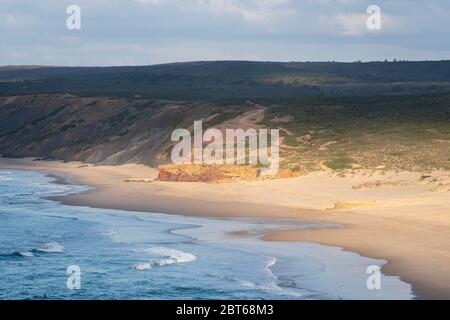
<point x="130" y="255"/>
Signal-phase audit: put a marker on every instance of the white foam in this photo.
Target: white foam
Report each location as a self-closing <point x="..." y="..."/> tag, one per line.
<point x="247" y="284"/>
<point x="171" y="256"/>
<point x="27" y="254"/>
<point x="270" y="263"/>
<point x="51" y="247"/>
<point x="270" y="287"/>
<point x="111" y="232"/>
<point x="143" y="266"/>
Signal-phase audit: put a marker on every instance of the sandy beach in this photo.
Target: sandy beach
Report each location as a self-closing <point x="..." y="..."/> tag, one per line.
<point x="402" y="217"/>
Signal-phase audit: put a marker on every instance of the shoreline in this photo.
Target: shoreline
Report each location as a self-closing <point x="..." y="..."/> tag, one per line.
<point x="197" y="251"/>
<point x="381" y="221"/>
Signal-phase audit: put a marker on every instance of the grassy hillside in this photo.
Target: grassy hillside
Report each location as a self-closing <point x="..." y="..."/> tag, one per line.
<point x="390" y="132"/>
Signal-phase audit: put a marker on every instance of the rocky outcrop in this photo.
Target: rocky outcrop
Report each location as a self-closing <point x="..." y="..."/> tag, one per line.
<point x="216" y="173"/>
<point x="207" y="173"/>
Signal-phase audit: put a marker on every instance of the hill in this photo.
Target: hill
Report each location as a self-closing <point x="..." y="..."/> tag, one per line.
<point x="331" y="115"/>
<point x="231" y="79"/>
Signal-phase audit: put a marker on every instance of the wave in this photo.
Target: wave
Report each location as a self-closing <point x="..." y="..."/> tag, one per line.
<point x="111" y="232"/>
<point x="270" y="263"/>
<point x="20" y="254"/>
<point x="272" y="286"/>
<point x="143" y="266"/>
<point x="26" y="254"/>
<point x="51" y="247"/>
<point x="171" y="256"/>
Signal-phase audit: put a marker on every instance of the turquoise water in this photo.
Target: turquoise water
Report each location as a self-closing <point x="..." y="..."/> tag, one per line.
<point x="126" y="255"/>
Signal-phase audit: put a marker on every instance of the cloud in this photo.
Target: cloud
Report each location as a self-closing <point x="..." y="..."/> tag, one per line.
<point x="254" y="11"/>
<point x="355" y="24"/>
<point x="153" y="31"/>
<point x="335" y="1"/>
<point x="152" y="2"/>
<point x="258" y="11"/>
<point x="346" y="24"/>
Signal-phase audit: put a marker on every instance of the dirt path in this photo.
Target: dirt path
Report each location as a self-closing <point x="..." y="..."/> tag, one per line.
<point x="249" y="120"/>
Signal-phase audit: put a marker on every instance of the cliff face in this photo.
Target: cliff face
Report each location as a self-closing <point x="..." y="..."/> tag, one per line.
<point x="94" y="130"/>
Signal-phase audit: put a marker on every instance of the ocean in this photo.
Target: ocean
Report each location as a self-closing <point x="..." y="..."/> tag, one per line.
<point x="130" y="255"/>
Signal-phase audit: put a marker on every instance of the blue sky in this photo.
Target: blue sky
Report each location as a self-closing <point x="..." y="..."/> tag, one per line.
<point x="142" y="32"/>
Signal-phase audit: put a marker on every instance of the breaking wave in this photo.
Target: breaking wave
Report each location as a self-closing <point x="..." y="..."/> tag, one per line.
<point x="170" y="256"/>
<point x="51" y="247"/>
<point x="17" y="254"/>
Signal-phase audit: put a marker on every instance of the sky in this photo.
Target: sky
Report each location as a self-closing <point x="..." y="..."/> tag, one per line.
<point x="144" y="32"/>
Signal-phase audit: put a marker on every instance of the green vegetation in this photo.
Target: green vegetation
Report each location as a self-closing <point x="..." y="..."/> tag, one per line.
<point x="393" y="132"/>
<point x="339" y="163"/>
<point x="231" y="79"/>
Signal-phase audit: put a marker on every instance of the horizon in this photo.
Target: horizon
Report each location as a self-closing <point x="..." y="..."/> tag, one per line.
<point x="205" y="61"/>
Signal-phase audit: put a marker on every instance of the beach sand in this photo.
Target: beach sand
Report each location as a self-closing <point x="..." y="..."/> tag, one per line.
<point x="401" y="217"/>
